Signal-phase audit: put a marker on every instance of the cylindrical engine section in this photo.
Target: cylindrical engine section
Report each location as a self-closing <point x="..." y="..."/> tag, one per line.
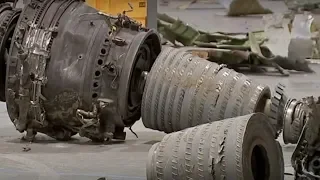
<point x="294" y="121"/>
<point x="8" y="21"/>
<point x="77" y="65"/>
<point x="183" y="90"/>
<point x="238" y="148"/>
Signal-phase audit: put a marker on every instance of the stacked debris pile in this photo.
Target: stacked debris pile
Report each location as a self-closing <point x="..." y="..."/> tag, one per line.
<point x="224" y="110"/>
<point x="236" y="50"/>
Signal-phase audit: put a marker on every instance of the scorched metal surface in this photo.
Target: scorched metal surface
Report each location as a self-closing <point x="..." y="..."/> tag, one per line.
<point x="75" y="70"/>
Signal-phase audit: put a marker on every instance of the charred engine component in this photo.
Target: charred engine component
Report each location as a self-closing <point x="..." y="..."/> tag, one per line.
<point x="183" y="91"/>
<point x="73" y="70"/>
<point x="306" y="156"/>
<point x="238" y="148"/>
<point x="8" y="20"/>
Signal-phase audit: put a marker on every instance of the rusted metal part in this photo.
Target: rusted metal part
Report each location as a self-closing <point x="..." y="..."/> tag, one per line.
<point x="183" y="90"/>
<point x="235" y="148"/>
<point x="8" y="19"/>
<point x="75" y="70"/>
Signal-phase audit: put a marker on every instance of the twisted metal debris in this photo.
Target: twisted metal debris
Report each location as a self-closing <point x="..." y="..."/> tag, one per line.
<point x="237" y="50"/>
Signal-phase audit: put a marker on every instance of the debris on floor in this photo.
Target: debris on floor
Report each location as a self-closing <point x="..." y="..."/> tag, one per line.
<point x="233" y="7"/>
<point x="234" y="49"/>
<point x="303" y="5"/>
<point x="102" y="178"/>
<point x="26" y="148"/>
<point x="241" y="7"/>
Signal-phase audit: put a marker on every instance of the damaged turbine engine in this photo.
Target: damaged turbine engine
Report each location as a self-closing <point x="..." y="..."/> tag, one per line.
<point x="72" y="69"/>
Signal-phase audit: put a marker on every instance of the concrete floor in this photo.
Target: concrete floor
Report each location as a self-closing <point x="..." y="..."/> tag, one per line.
<point x="83" y="160"/>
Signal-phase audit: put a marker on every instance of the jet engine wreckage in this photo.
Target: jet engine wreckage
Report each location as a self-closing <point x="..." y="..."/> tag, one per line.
<point x="72" y="69"/>
<point x="68" y="68"/>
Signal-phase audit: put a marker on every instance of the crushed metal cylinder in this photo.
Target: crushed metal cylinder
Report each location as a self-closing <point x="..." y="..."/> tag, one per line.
<point x="72" y="69"/>
<point x="183" y="91"/>
<point x="236" y="148"/>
